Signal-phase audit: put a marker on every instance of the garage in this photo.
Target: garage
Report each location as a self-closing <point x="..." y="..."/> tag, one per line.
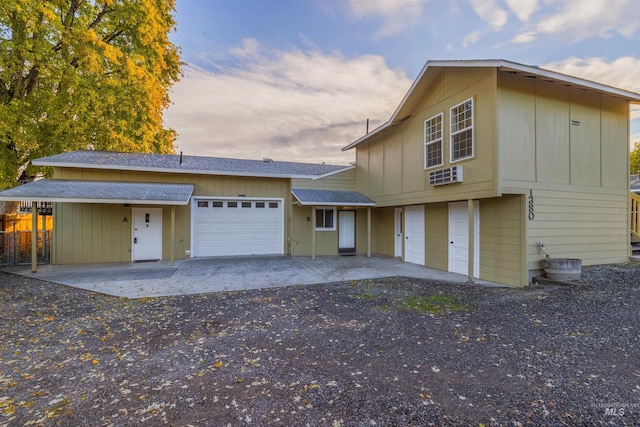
<point x="239" y="226"/>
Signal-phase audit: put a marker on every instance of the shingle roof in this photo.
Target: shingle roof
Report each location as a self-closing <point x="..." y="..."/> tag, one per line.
<point x="190" y="164"/>
<point x="62" y="190"/>
<point x="330" y="198"/>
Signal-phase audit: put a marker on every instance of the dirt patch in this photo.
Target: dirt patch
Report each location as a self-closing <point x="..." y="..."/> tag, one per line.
<point x="376" y="352"/>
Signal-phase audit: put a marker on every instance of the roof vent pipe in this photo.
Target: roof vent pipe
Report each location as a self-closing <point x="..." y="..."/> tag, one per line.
<point x="367" y="126"/>
<point x="181" y="157"/>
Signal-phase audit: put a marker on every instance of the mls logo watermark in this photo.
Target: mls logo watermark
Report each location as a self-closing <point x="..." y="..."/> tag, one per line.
<point x="615" y="409"/>
<point x="614" y="412"/>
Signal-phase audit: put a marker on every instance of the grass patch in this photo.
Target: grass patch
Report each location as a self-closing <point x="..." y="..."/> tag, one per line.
<point x="434" y="304"/>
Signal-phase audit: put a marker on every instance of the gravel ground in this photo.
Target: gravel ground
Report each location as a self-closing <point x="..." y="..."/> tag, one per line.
<point x="393" y="351"/>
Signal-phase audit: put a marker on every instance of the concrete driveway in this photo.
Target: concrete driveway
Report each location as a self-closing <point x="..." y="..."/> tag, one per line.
<point x="203" y="275"/>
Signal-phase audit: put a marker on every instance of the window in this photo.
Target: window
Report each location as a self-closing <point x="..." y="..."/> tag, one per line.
<point x="216" y="204"/>
<point x="246" y="204"/>
<point x="433" y="142"/>
<point x="259" y="204"/>
<point x="273" y="205"/>
<point x="232" y="204"/>
<point x="462" y="131"/>
<point x="203" y="204"/>
<point x="324" y="219"/>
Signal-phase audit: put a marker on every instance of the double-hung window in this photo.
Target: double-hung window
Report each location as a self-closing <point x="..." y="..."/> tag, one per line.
<point x="325" y="219"/>
<point x="433" y="142"/>
<point x="462" y="131"/>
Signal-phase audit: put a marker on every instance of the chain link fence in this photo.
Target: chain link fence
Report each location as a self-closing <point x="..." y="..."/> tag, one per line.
<point x="15" y="247"/>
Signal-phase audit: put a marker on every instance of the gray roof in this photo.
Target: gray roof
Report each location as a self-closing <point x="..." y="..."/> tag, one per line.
<point x="330" y="198"/>
<point x="61" y="190"/>
<point x="190" y="164"/>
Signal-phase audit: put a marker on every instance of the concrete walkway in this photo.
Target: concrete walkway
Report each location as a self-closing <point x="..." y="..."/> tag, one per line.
<point x="203" y="275"/>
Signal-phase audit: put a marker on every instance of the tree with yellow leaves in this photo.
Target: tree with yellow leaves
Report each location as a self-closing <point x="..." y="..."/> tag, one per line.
<point x="83" y="74"/>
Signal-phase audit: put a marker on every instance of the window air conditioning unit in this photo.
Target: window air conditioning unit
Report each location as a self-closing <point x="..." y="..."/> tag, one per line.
<point x="444" y="176"/>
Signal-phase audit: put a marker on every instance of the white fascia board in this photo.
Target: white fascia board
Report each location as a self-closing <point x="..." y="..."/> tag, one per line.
<point x="347" y="168"/>
<point x="170" y="170"/>
<point x="99" y="201"/>
<point x="370" y="205"/>
<point x="498" y="63"/>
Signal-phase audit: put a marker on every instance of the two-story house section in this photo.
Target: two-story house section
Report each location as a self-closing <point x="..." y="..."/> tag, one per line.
<point x="484" y="159"/>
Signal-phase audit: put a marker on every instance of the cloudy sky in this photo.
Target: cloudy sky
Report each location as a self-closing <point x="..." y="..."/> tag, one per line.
<point x="297" y="79"/>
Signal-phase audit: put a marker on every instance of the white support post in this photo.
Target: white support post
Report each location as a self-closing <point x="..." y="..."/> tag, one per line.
<point x="471" y="237"/>
<point x="313" y="233"/>
<point x="368" y="232"/>
<point x="173" y="234"/>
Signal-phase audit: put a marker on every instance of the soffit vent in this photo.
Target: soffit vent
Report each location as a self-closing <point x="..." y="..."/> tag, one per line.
<point x="444" y="176"/>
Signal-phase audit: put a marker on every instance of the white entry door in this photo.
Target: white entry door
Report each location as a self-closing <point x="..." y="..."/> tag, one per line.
<point x="346" y="232"/>
<point x="398" y="233"/>
<point x="414" y="235"/>
<point x="147" y="234"/>
<point x="459" y="238"/>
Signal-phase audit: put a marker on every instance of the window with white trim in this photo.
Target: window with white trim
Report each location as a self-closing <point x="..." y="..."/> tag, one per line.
<point x="433" y="142"/>
<point x="325" y="219"/>
<point x="462" y="131"/>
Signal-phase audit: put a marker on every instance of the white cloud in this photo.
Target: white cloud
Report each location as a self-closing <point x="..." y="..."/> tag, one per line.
<point x="491" y="13"/>
<point x="621" y="73"/>
<point x="579" y="20"/>
<point x="524" y="37"/>
<point x="523" y="9"/>
<point x="249" y="48"/>
<point x="471" y="38"/>
<point x="295" y="105"/>
<point x="397" y="15"/>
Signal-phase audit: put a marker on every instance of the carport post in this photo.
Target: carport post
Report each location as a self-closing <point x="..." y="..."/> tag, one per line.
<point x="471" y="237"/>
<point x="34" y="237"/>
<point x="368" y="232"/>
<point x="173" y="234"/>
<point x="313" y="233"/>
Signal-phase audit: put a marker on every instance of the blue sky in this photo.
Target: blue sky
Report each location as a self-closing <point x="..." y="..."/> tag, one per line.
<point x="296" y="80"/>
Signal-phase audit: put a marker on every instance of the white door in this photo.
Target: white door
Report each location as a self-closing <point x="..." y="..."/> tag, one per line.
<point x="459" y="238"/>
<point x="346" y="232"/>
<point x="147" y="234"/>
<point x="414" y="235"/>
<point x="398" y="233"/>
<point x="229" y="227"/>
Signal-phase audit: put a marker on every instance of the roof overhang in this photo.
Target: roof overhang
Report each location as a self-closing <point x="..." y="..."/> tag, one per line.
<point x="110" y="192"/>
<point x="331" y="198"/>
<point x="423" y="81"/>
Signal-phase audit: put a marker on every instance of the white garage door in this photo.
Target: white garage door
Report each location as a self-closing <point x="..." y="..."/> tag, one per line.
<point x="237" y="227"/>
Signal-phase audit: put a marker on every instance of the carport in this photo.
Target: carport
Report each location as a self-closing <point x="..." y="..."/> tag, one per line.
<point x="100" y="192"/>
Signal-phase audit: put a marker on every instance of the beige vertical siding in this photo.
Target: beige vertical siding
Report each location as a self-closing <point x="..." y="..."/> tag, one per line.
<point x="88" y="233"/>
<point x="436" y="224"/>
<point x="391" y="166"/>
<point x="501" y="229"/>
<point x="340" y="181"/>
<point x="326" y="241"/>
<point x="383" y="231"/>
<point x="580" y="180"/>
<point x="93" y="233"/>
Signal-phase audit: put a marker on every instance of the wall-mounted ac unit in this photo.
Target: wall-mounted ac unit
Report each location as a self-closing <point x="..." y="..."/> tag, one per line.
<point x="444" y="176"/>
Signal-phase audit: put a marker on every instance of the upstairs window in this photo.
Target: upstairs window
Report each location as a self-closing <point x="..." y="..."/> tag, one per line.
<point x="325" y="219"/>
<point x="462" y="131"/>
<point x="433" y="142"/>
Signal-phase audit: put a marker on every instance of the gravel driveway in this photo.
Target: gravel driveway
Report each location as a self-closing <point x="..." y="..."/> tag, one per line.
<point x="377" y="352"/>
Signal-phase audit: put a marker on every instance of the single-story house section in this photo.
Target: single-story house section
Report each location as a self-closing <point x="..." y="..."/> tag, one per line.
<point x="481" y="162"/>
<point x="115" y="207"/>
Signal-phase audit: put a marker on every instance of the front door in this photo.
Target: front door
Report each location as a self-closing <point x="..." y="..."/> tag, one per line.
<point x="414" y="235"/>
<point x="346" y="232"/>
<point x="398" y="233"/>
<point x="147" y="234"/>
<point x="459" y="238"/>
